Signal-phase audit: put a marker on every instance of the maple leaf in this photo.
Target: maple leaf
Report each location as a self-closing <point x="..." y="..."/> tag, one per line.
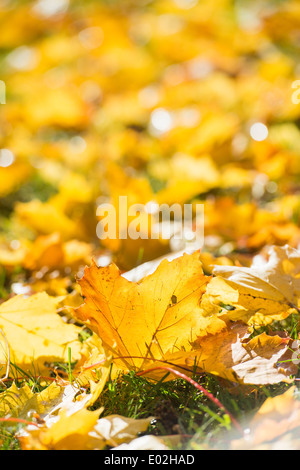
<point x="69" y="432"/>
<point x="50" y="251"/>
<point x="187" y="176"/>
<point x="229" y="302"/>
<point x="146" y="319"/>
<point x="14" y="399"/>
<point x="45" y="218"/>
<point x="275" y="426"/>
<point x="258" y="294"/>
<point x="141" y="325"/>
<point x="18" y="402"/>
<point x="82" y="430"/>
<point x="116" y="429"/>
<point x="233" y="355"/>
<point x="94" y="367"/>
<point x="35" y="333"/>
<point x="149" y="442"/>
<point x="208" y="261"/>
<point x="277" y="280"/>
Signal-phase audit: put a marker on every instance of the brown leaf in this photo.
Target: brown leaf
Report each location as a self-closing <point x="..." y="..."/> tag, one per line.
<point x="233" y="355"/>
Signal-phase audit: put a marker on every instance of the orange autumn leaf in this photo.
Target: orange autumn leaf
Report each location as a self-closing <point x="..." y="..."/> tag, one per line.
<point x="146" y="319"/>
<point x="46" y="251"/>
<point x="51" y="251"/>
<point x="275" y="424"/>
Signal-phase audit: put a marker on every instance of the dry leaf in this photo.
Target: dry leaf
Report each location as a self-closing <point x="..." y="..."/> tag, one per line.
<point x="148" y="319"/>
<point x="82" y="430"/>
<point x="36" y="334"/>
<point x="93" y="368"/>
<point x="21" y="402"/>
<point x="230" y="302"/>
<point x="277" y="280"/>
<point x="115" y="429"/>
<point x="69" y="432"/>
<point x="145" y="443"/>
<point x="233" y="355"/>
<point x="275" y="426"/>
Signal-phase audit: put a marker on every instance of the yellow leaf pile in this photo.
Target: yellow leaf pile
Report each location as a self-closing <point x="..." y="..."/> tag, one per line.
<point x="164" y="102"/>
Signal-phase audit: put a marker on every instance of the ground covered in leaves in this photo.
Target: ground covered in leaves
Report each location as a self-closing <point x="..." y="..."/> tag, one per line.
<point x="149" y="343"/>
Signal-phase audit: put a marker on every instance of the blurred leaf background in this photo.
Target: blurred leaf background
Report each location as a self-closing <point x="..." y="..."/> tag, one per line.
<point x="166" y="101"/>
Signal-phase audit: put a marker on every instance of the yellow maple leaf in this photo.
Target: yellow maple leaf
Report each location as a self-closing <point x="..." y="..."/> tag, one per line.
<point x="228" y="302"/>
<point x="82" y="430"/>
<point x="146" y="319"/>
<point x="18" y="402"/>
<point x="268" y="290"/>
<point x="70" y="432"/>
<point x="35" y="333"/>
<point x="275" y="426"/>
<point x="276" y="279"/>
<point x="94" y="367"/>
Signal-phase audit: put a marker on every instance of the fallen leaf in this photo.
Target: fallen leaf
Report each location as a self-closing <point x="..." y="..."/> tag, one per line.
<point x="275" y="426"/>
<point x="21" y="402"/>
<point x="82" y="430"/>
<point x="148" y="319"/>
<point x="230" y="302"/>
<point x="50" y="251"/>
<point x="233" y="355"/>
<point x="46" y="251"/>
<point x="14" y="399"/>
<point x="94" y="368"/>
<point x="146" y="443"/>
<point x="277" y="280"/>
<point x="115" y="429"/>
<point x="36" y="334"/>
<point x="69" y="432"/>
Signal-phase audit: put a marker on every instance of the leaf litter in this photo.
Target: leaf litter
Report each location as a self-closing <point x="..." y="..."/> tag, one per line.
<point x="167" y="103"/>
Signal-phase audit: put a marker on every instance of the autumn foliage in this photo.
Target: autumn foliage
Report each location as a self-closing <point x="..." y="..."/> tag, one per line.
<point x="164" y="102"/>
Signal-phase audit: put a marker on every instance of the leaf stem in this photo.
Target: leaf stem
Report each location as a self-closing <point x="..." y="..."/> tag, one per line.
<point x="18" y="420"/>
